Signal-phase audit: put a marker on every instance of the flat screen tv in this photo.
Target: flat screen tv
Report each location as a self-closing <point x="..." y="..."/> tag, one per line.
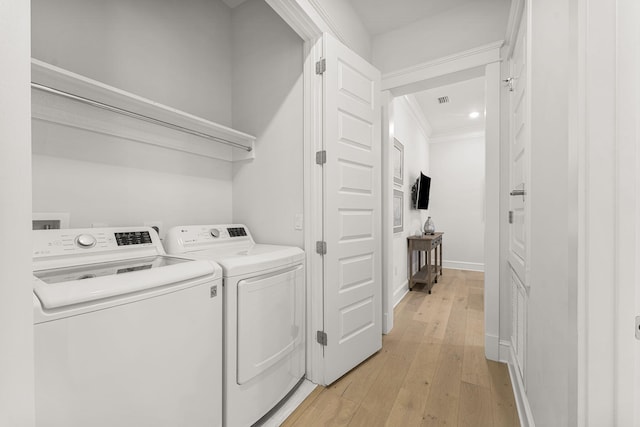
<point x="420" y="192"/>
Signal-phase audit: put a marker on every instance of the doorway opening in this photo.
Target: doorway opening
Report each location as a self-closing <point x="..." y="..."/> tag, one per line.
<point x="484" y="68"/>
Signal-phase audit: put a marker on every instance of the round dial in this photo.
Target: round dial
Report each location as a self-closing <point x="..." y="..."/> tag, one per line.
<point x="86" y="241"/>
<point x="215" y="232"/>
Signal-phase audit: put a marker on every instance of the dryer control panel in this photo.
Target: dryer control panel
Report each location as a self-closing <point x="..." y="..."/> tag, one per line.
<point x="186" y="238"/>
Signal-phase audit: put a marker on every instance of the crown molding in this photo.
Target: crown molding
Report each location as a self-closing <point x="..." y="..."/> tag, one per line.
<point x="472" y="58"/>
<point x="418" y="114"/>
<point x="326" y="17"/>
<point x="301" y="16"/>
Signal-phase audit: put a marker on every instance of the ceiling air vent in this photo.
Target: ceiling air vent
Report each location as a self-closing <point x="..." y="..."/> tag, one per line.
<point x="443" y="100"/>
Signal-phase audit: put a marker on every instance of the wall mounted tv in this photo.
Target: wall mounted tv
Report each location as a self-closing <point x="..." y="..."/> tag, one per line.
<point x="420" y="192"/>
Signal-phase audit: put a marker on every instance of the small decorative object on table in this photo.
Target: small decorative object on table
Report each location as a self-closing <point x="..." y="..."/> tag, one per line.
<point x="429" y="227"/>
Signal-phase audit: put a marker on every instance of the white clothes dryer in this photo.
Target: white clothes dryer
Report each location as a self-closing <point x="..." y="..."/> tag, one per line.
<point x="124" y="335"/>
<point x="264" y="315"/>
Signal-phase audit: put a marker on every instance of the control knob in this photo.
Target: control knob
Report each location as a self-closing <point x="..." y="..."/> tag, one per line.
<point x="85" y="241"/>
<point x="215" y="232"/>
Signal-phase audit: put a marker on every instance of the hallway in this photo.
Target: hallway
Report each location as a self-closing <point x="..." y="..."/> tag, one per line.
<point x="431" y="370"/>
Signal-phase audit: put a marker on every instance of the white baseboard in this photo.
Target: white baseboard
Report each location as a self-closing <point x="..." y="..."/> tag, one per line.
<point x="400" y="292"/>
<point x="492" y="347"/>
<point x="519" y="392"/>
<point x="505" y="351"/>
<point x="462" y="265"/>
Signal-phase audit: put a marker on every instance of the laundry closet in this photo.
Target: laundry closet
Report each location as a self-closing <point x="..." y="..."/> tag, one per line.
<point x="237" y="68"/>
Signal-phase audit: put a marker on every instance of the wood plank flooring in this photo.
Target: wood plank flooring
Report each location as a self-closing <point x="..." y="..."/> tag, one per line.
<point x="431" y="370"/>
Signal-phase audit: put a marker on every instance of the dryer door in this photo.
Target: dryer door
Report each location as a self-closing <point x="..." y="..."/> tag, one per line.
<point x="270" y="320"/>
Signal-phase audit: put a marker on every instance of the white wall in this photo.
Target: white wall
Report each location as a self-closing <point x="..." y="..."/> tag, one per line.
<point x="475" y="24"/>
<point x="175" y="53"/>
<point x="457" y="168"/>
<point x="87" y="179"/>
<point x="412" y="135"/>
<point x="268" y="103"/>
<point x="16" y="297"/>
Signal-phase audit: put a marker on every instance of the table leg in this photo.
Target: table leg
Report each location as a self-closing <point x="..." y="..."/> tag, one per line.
<point x="440" y="257"/>
<point x="409" y="264"/>
<point x="429" y="284"/>
<point x="435" y="258"/>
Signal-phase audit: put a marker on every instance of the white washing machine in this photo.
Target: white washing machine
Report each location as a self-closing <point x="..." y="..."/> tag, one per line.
<point x="264" y="312"/>
<point x="124" y="335"/>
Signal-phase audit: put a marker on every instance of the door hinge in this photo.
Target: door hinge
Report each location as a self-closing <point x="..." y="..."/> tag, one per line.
<point x="321" y="66"/>
<point x="321" y="247"/>
<point x="510" y="217"/>
<point x="638" y="327"/>
<point x="509" y="83"/>
<point x="321" y="157"/>
<point x="321" y="337"/>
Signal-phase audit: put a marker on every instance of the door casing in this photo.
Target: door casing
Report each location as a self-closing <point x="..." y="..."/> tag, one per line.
<point x="485" y="60"/>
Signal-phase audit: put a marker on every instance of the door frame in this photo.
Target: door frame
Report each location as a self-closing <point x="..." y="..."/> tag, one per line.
<point x="606" y="166"/>
<point x="484" y="61"/>
<point x="16" y="295"/>
<point x="302" y="17"/>
<point x="627" y="219"/>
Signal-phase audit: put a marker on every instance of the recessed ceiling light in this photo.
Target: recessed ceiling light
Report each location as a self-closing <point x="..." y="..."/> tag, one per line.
<point x="474" y="115"/>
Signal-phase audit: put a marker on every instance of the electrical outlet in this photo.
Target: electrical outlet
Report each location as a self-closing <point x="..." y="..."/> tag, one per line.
<point x="299" y="221"/>
<point x="156" y="225"/>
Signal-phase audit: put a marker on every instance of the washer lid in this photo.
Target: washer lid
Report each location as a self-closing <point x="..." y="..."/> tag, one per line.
<point x="61" y="287"/>
<point x="252" y="259"/>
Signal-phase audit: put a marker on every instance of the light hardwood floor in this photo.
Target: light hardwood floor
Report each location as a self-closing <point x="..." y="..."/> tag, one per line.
<point x="431" y="370"/>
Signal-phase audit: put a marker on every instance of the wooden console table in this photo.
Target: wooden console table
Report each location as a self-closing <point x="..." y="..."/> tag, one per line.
<point x="427" y="274"/>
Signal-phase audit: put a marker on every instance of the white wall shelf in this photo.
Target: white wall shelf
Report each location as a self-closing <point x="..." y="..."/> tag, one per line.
<point x="125" y="115"/>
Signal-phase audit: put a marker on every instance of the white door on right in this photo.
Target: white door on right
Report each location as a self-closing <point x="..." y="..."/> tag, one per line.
<point x="518" y="155"/>
<point x="519" y="143"/>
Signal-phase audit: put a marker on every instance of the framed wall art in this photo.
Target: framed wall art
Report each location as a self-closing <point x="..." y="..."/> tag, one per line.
<point x="398" y="162"/>
<point x="398" y="211"/>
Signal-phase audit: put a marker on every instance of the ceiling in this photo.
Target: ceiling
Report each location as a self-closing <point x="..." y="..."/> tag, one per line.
<point x="233" y="3"/>
<point x="453" y="117"/>
<point x="381" y="16"/>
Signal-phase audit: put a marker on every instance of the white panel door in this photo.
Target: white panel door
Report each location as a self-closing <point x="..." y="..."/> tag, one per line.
<point x="352" y="210"/>
<point x="518" y="181"/>
<point x="518" y="322"/>
<point x="519" y="154"/>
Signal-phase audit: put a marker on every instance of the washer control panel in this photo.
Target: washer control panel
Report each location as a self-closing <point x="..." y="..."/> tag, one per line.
<point x="48" y="243"/>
